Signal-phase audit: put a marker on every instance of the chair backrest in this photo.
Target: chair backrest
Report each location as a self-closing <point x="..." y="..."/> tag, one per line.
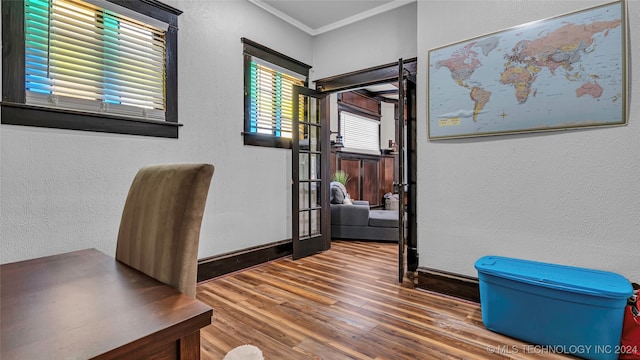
<point x="160" y="225"/>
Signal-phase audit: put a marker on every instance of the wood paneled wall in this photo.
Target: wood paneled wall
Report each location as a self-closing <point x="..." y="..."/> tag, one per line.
<point x="360" y="103"/>
<point x="370" y="176"/>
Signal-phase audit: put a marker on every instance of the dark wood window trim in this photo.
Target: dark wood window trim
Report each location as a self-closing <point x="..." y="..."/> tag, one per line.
<point x="15" y="112"/>
<point x="347" y="106"/>
<point x="253" y="49"/>
<point x="358" y="111"/>
<point x="382" y="74"/>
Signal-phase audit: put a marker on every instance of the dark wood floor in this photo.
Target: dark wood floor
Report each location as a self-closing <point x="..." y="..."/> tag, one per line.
<point x="346" y="303"/>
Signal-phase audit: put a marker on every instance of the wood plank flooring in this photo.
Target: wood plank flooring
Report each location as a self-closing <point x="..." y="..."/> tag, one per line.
<point x="346" y="303"/>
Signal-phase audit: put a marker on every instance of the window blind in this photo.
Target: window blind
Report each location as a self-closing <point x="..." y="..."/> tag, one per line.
<point x="360" y="133"/>
<point x="271" y="99"/>
<point x="82" y="57"/>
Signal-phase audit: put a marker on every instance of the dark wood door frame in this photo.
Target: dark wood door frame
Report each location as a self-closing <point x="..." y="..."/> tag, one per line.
<point x="412" y="179"/>
<point x="401" y="166"/>
<point x="384" y="74"/>
<point x="381" y="74"/>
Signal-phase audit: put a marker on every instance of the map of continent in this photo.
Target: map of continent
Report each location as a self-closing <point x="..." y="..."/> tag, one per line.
<point x="562" y="72"/>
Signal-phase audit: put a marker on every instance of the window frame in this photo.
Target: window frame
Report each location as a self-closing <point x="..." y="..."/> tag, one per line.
<point x="253" y="49"/>
<point x="14" y="111"/>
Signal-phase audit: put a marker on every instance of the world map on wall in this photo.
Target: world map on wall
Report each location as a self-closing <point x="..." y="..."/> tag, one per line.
<point x="558" y="73"/>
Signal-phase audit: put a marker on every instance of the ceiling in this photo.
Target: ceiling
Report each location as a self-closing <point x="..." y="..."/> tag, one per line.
<point x="319" y="16"/>
<point x="383" y="91"/>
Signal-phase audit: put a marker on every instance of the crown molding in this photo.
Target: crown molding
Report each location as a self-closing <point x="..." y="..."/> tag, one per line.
<point x="335" y="25"/>
<point x="261" y="4"/>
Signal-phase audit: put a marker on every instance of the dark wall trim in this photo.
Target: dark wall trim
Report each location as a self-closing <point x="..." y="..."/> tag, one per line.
<point x="443" y="282"/>
<point x="214" y="266"/>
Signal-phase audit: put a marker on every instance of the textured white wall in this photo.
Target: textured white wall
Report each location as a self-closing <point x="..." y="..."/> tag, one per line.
<point x="374" y="41"/>
<point x="64" y="190"/>
<point x="565" y="197"/>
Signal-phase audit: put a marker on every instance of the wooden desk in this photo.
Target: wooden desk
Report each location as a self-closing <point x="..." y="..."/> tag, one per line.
<point x="87" y="305"/>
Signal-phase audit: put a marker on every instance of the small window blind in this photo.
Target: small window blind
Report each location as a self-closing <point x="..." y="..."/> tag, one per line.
<point x="271" y="99"/>
<point x="360" y="133"/>
<point x="83" y="57"/>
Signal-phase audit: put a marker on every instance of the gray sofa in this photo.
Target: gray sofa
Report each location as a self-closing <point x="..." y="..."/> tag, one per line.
<point x="357" y="221"/>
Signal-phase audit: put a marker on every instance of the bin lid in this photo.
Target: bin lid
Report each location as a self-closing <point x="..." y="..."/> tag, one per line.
<point x="561" y="277"/>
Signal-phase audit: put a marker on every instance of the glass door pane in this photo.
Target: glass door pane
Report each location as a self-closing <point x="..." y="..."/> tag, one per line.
<point x="310" y="162"/>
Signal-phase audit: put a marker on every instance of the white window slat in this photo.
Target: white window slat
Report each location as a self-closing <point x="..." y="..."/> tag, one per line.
<point x="271" y="100"/>
<point x="80" y="56"/>
<point x="360" y="133"/>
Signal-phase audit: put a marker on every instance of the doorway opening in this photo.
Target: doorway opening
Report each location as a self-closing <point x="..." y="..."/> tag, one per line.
<point x="363" y="129"/>
<point x="380" y="84"/>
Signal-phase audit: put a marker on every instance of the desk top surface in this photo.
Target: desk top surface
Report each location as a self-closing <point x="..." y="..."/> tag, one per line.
<point x="86" y="305"/>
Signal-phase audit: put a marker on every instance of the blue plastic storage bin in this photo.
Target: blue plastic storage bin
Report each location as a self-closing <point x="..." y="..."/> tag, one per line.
<point x="563" y="308"/>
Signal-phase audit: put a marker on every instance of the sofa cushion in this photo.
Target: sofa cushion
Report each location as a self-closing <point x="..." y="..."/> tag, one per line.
<point x="338" y="192"/>
<point x="383" y="218"/>
<point x="349" y="215"/>
<point x="364" y="233"/>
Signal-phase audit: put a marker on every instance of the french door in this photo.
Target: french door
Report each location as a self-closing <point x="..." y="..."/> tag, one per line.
<point x="401" y="184"/>
<point x="310" y="218"/>
<point x="406" y="171"/>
